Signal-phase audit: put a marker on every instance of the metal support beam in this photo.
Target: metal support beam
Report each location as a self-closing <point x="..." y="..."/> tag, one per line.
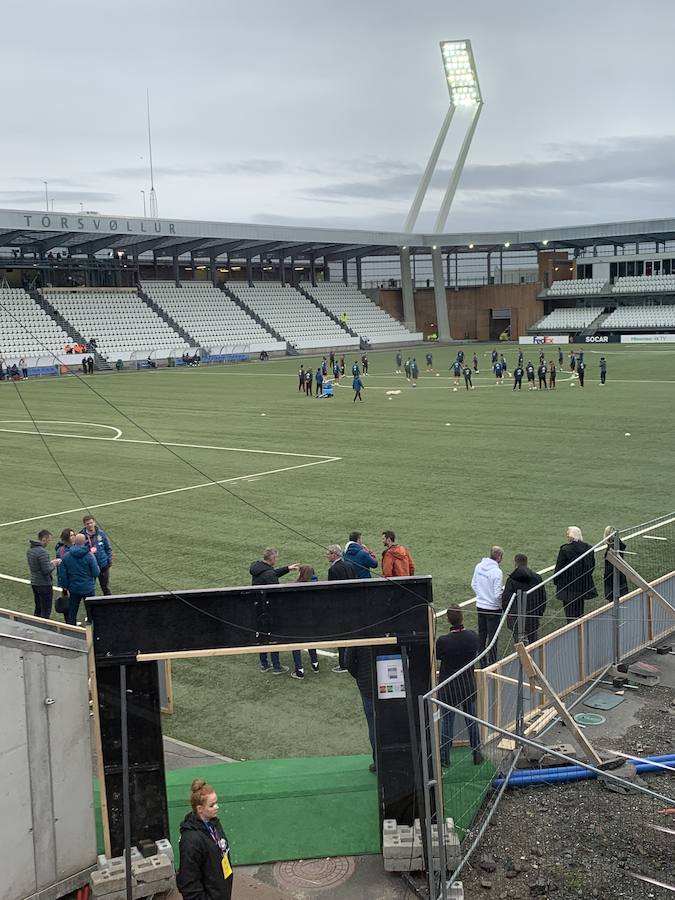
<point x="440" y="301"/>
<point x="282" y="275"/>
<point x="345" y="270"/>
<point x="429" y="171"/>
<point x="359" y="273"/>
<point x="213" y="269"/>
<point x="176" y="272"/>
<point x="442" y="217"/>
<point x="249" y="270"/>
<point x="407" y="291"/>
<point x="312" y="270"/>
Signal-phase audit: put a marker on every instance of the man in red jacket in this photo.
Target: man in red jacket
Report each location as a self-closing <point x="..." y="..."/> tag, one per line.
<point x="395" y="558"/>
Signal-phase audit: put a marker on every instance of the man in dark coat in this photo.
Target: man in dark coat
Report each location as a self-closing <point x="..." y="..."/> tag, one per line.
<point x="524" y="579"/>
<point x="339" y="570"/>
<point x="455" y="650"/>
<point x="575" y="585"/>
<point x="41" y="568"/>
<point x="262" y="571"/>
<point x="359" y="663"/>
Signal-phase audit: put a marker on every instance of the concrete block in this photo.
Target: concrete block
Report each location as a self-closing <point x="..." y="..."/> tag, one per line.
<point x="456" y="891"/>
<point x="103" y="862"/>
<point x="140" y="891"/>
<point x="164" y="846"/>
<point x="389" y="826"/>
<point x="154" y="868"/>
<point x="394" y="848"/>
<point x="404" y="865"/>
<point x="107" y="881"/>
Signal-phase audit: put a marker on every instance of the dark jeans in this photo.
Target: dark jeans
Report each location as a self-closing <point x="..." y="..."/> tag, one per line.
<point x="297" y="658"/>
<point x="531" y="628"/>
<point x="370" y="719"/>
<point x="488" y="623"/>
<point x="275" y="660"/>
<point x="42" y="594"/>
<point x="104" y="581"/>
<point x="603" y="377"/>
<point x="73" y="607"/>
<point x="574" y="609"/>
<point x="447" y="725"/>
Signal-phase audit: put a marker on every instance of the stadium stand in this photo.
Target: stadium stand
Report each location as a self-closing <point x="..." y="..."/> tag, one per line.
<point x="122" y="323"/>
<point x="293" y="316"/>
<point x="567" y="319"/>
<point x="364" y="317"/>
<point x="639" y="284"/>
<point x="576" y="287"/>
<point x="209" y="316"/>
<point x="641" y="317"/>
<point x="25" y="328"/>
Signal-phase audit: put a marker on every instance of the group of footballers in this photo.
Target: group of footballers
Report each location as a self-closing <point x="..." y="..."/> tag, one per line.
<point x="545" y="372"/>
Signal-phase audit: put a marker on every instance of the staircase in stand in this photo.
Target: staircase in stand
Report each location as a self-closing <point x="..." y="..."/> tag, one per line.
<point x="332" y="316"/>
<point x="594" y="325"/>
<point x="70" y="329"/>
<point x="254" y="316"/>
<point x="167" y="318"/>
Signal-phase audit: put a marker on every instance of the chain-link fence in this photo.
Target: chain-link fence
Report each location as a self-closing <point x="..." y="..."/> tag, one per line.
<point x="558" y="639"/>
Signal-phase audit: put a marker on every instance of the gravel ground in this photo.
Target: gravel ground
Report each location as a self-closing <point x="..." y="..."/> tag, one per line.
<point x="581" y="839"/>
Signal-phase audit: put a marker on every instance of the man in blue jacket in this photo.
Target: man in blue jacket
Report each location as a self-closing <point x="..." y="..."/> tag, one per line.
<point x="100" y="546"/>
<point x="79" y="571"/>
<point x="360" y="557"/>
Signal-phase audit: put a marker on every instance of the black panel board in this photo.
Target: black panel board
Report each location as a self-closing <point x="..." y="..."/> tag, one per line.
<point x="238" y="617"/>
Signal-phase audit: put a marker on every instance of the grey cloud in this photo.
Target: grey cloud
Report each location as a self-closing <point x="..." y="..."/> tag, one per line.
<point x="226" y="167"/>
<point x="32" y="197"/>
<point x="612" y="161"/>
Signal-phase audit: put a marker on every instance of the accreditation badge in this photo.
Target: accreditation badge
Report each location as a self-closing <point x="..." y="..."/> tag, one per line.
<point x="227" y="868"/>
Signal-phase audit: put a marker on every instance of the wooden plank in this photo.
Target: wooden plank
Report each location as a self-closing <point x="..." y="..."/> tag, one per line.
<point x="512" y="680"/>
<point x="266" y="648"/>
<point x="575" y="732"/>
<point x="93" y="692"/>
<point x="539" y="724"/>
<point x="168" y="678"/>
<point x="52" y="624"/>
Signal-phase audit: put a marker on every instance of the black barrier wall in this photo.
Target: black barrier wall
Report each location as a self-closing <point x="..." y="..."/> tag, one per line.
<point x="126" y="627"/>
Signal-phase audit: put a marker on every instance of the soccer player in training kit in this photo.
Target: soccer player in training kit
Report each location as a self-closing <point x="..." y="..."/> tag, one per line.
<point x="475" y="363"/>
<point x="560" y="357"/>
<point x="399" y="362"/>
<point x="603" y="370"/>
<point x="430" y="360"/>
<point x="529" y="369"/>
<point x="498" y="372"/>
<point x="456" y="371"/>
<point x="551" y="375"/>
<point x="414" y="371"/>
<point x="308" y="382"/>
<point x="407" y="368"/>
<point x="542" y="372"/>
<point x="581" y="372"/>
<point x="467" y="377"/>
<point x="518" y="377"/>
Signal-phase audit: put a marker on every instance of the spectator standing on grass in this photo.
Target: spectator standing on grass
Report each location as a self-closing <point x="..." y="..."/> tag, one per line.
<point x="263" y="571"/>
<point x="85" y="365"/>
<point x="205" y="867"/>
<point x="524" y="579"/>
<point x="80" y="571"/>
<point x="41" y="568"/>
<point x="90" y="365"/>
<point x="359" y="663"/>
<point x="455" y="650"/>
<point x="99" y="544"/>
<point x="396" y="559"/>
<point x="608" y="575"/>
<point x="305" y="574"/>
<point x="23" y="367"/>
<point x="487" y="585"/>
<point x="338" y="570"/>
<point x="575" y="585"/>
<point x="361" y="559"/>
<point x="63" y="545"/>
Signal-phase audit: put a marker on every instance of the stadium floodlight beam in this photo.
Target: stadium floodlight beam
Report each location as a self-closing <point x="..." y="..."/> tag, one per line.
<point x="462" y="80"/>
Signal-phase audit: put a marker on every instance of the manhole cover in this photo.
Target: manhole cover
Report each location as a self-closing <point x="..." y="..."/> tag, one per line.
<point x="589" y="719"/>
<point x="313" y="874"/>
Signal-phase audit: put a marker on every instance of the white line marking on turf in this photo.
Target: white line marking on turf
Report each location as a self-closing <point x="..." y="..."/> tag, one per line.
<point x="191" y="487"/>
<point x="59" y="433"/>
<point x="121" y="440"/>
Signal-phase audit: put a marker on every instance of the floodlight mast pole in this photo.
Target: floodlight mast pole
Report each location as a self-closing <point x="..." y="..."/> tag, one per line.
<point x="451" y="189"/>
<point x="429" y="171"/>
<point x="153" y="196"/>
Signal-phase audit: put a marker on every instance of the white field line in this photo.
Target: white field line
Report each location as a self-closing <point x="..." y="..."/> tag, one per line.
<point x="191" y="487"/>
<point x="121" y="440"/>
<point x="61" y="422"/>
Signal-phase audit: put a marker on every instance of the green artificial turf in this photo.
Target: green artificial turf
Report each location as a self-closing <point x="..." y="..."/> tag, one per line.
<point x="277" y="809"/>
<point x="450" y="472"/>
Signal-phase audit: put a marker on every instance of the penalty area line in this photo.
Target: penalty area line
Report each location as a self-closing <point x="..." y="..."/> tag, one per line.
<point x="190" y="487"/>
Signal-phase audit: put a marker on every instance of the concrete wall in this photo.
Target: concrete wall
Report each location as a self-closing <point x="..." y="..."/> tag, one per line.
<point x="469" y="308"/>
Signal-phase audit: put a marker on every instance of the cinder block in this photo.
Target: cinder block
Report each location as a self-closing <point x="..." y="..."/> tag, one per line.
<point x="140" y="891"/>
<point x="107" y="881"/>
<point x="404" y="865"/>
<point x="456" y="891"/>
<point x="394" y="848"/>
<point x="104" y="862"/>
<point x="154" y="868"/>
<point x="389" y="826"/>
<point x="164" y="846"/>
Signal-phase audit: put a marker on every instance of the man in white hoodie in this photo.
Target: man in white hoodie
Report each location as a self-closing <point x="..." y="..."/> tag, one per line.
<point x="488" y="587"/>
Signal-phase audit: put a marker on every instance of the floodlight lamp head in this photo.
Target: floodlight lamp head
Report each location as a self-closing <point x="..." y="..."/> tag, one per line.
<point x="460" y="73"/>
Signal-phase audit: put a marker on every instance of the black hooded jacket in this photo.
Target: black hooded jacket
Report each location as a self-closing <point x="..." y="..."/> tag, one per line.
<point x="201" y="869"/>
<point x="524" y="579"/>
<point x="264" y="573"/>
<point x="577" y="582"/>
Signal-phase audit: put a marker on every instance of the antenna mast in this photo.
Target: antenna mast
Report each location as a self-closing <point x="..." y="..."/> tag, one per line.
<point x="153" y="196"/>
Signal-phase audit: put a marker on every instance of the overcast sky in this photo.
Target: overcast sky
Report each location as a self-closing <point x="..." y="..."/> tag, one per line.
<point x="325" y="112"/>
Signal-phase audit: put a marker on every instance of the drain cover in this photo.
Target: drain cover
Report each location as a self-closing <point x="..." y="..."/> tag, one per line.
<point x="603" y="700"/>
<point x="589" y="719"/>
<point x="314" y="874"/>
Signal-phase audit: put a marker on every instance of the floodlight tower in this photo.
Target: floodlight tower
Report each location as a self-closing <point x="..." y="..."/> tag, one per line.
<point x="153" y="196"/>
<point x="462" y="80"/>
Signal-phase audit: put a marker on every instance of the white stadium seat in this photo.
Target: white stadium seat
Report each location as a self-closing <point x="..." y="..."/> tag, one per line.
<point x="567" y="319"/>
<point x="576" y="287"/>
<point x="25" y="328"/>
<point x="638" y="284"/>
<point x="643" y="317"/>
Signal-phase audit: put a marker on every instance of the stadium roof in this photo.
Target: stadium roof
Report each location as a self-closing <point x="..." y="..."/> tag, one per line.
<point x="88" y="233"/>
